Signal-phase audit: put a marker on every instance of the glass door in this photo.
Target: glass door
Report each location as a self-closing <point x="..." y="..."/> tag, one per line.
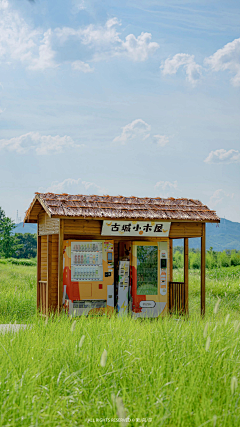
<point x="149" y="278"/>
<point x="147" y="270"/>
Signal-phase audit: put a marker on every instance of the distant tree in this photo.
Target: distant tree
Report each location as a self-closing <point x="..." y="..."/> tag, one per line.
<point x="28" y="245"/>
<point x="2" y="216"/>
<point x="8" y="242"/>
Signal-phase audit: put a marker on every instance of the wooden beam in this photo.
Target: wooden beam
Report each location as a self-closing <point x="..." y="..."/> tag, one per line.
<point x="170" y="260"/>
<point x="186" y="272"/>
<point x="38" y="270"/>
<point x="60" y="264"/>
<point x="170" y="273"/>
<point x="102" y="218"/>
<point x="203" y="268"/>
<point x="49" y="273"/>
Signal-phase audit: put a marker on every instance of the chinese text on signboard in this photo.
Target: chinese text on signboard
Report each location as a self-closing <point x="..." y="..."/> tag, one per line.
<point x="135" y="228"/>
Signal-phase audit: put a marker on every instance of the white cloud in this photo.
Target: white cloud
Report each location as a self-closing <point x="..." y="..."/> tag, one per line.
<point x="75" y="186"/>
<point x="141" y="47"/>
<point x="166" y="185"/>
<point x="138" y="128"/>
<point x="46" y="55"/>
<point x="18" y="42"/>
<point x="38" y="48"/>
<point x="161" y="140"/>
<point x="141" y="130"/>
<point x="193" y="70"/>
<point x="16" y="38"/>
<point x="166" y="189"/>
<point x="78" y="5"/>
<point x="105" y="40"/>
<point x="218" y="196"/>
<point x="3" y="4"/>
<point x="82" y="66"/>
<point x="227" y="58"/>
<point x="92" y="35"/>
<point x="223" y="156"/>
<point x="41" y="144"/>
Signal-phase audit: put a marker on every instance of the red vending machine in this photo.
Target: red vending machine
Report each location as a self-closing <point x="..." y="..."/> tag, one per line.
<point x="88" y="276"/>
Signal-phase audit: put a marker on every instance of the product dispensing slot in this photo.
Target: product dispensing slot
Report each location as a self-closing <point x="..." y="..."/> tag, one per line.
<point x="163" y="263"/>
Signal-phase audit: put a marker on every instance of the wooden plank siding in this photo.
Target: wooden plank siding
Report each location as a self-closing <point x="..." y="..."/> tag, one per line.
<point x="92" y="228"/>
<point x="48" y="270"/>
<point x="43" y="275"/>
<point x="53" y="291"/>
<point x="47" y="225"/>
<point x="179" y="230"/>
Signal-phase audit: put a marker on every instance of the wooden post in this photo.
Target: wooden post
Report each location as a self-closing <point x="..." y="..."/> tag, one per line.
<point x="203" y="267"/>
<point x="60" y="265"/>
<point x="170" y="273"/>
<point x="170" y="260"/>
<point x="49" y="272"/>
<point x="38" y="268"/>
<point x="186" y="273"/>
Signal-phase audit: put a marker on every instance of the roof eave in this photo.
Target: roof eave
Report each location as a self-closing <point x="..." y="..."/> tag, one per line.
<point x="28" y="213"/>
<point x="217" y="220"/>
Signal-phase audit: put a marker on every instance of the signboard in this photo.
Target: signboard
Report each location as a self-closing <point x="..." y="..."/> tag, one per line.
<point x="136" y="228"/>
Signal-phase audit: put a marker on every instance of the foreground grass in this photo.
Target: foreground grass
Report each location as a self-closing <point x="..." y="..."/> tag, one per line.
<point x="167" y="372"/>
<point x="17" y="293"/>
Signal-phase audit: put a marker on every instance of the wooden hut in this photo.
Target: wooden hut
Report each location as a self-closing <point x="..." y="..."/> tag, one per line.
<point x="103" y="252"/>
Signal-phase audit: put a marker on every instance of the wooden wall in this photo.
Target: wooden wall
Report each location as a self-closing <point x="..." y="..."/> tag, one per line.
<point x="43" y="274"/>
<point x="47" y="225"/>
<point x="73" y="228"/>
<point x="49" y="268"/>
<point x="53" y="291"/>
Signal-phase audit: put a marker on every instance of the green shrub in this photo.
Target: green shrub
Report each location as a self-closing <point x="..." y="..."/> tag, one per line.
<point x="195" y="260"/>
<point x="235" y="258"/>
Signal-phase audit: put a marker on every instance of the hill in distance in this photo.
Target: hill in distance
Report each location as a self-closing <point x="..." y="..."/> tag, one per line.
<point x="225" y="235"/>
<point x="25" y="228"/>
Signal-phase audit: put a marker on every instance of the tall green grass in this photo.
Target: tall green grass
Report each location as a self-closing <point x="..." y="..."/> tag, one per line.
<point x="168" y="372"/>
<point x="17" y="292"/>
<point x="173" y="371"/>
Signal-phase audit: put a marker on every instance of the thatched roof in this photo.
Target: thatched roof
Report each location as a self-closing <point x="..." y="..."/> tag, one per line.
<point x="110" y="207"/>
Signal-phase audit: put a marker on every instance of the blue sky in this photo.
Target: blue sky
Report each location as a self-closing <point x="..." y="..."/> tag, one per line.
<point x="134" y="97"/>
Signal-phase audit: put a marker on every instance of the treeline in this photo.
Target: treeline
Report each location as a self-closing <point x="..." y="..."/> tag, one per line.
<point x="214" y="259"/>
<point x="15" y="245"/>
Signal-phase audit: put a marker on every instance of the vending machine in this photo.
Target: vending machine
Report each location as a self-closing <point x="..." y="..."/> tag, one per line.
<point x="149" y="278"/>
<point x="88" y="276"/>
<point x="123" y="288"/>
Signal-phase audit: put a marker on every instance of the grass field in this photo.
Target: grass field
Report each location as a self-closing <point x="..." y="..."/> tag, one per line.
<point x="93" y="371"/>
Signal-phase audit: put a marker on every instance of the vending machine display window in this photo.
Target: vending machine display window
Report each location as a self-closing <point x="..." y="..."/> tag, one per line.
<point x="86" y="261"/>
<point x="147" y="270"/>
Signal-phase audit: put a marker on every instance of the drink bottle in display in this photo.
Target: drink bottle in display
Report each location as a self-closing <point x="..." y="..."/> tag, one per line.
<point x="78" y="259"/>
<point x="84" y="259"/>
